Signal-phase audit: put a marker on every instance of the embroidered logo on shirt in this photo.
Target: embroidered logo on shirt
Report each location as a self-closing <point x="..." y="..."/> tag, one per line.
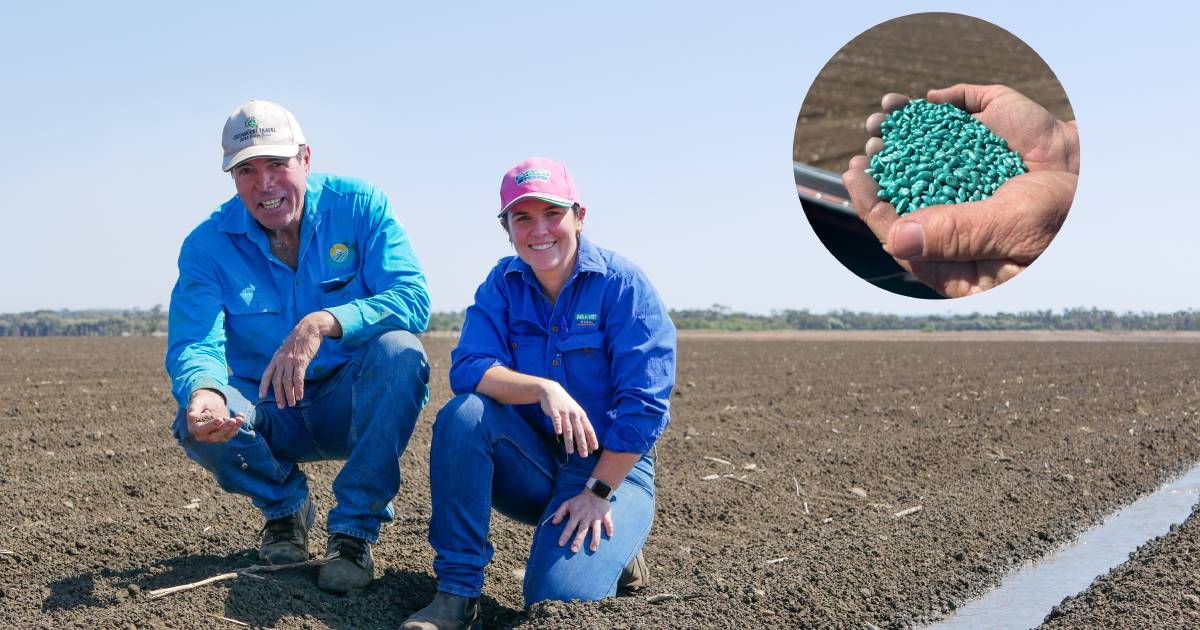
<point x="586" y="319"/>
<point x="533" y="174"/>
<point x="339" y="253"/>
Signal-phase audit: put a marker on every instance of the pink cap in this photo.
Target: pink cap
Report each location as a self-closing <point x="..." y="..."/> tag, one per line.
<point x="538" y="178"/>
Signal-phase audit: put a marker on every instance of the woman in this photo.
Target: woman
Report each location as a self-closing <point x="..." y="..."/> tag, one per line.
<point x="563" y="376"/>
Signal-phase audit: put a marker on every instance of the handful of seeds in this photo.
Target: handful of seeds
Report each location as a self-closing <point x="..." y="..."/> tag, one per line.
<point x="939" y="154"/>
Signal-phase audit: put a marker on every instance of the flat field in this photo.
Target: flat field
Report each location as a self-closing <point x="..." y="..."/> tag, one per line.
<point x="911" y="55"/>
<point x="1008" y="446"/>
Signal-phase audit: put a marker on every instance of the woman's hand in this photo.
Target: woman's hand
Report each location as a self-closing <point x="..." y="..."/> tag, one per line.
<point x="588" y="513"/>
<point x="570" y="420"/>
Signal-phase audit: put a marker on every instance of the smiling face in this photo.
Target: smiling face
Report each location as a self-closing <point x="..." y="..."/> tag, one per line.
<point x="546" y="237"/>
<point x="273" y="189"/>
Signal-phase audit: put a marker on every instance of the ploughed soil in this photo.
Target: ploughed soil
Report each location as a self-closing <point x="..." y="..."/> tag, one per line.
<point x="1159" y="587"/>
<point x="779" y="484"/>
<point x="911" y="55"/>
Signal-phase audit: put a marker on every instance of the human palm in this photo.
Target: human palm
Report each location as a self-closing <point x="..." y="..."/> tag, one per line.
<point x="971" y="247"/>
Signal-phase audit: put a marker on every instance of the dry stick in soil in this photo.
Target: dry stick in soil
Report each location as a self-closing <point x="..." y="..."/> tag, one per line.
<point x="250" y="570"/>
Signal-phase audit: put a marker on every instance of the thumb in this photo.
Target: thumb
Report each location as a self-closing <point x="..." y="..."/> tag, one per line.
<point x="1018" y="222"/>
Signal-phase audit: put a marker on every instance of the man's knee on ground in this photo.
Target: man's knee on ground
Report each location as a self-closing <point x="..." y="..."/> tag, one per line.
<point x="397" y="350"/>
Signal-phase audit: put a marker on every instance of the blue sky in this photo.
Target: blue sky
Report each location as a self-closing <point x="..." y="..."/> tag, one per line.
<point x="675" y="118"/>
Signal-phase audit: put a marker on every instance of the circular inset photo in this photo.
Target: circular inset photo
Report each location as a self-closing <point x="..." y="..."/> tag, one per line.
<point x="936" y="155"/>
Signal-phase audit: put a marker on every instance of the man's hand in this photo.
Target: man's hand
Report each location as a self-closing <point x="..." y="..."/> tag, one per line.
<point x="570" y="420"/>
<point x="208" y="418"/>
<point x="962" y="249"/>
<point x="588" y="513"/>
<point x="285" y="372"/>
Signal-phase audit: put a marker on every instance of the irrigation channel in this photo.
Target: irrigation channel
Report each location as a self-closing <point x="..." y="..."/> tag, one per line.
<point x="1026" y="596"/>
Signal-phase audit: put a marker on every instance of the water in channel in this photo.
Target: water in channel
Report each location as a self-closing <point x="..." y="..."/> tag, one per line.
<point x="1025" y="597"/>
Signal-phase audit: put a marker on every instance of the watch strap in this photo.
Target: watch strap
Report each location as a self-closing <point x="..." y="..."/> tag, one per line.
<point x="599" y="488"/>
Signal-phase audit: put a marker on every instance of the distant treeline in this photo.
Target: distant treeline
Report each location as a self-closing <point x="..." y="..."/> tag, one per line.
<point x="718" y="317"/>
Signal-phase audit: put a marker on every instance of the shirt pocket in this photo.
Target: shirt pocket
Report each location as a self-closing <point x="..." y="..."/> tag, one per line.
<point x="341" y="289"/>
<point x="251" y="301"/>
<point x="528" y="353"/>
<point x="586" y="364"/>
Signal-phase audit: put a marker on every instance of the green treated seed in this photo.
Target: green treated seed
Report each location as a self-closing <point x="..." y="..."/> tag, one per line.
<point x="936" y="154"/>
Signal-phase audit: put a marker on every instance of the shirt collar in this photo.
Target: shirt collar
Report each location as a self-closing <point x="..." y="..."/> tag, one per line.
<point x="590" y="260"/>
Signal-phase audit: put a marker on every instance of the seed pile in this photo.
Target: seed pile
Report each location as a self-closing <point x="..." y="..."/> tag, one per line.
<point x="939" y="154"/>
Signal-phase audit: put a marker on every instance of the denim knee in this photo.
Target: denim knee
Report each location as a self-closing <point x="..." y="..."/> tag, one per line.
<point x="460" y="417"/>
<point x="396" y="350"/>
<point x="565" y="585"/>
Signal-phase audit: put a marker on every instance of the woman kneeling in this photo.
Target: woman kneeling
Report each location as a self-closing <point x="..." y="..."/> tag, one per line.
<point x="563" y="376"/>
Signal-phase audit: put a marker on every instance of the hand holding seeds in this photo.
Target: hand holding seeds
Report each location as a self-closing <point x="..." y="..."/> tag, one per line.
<point x="972" y="216"/>
<point x="208" y="418"/>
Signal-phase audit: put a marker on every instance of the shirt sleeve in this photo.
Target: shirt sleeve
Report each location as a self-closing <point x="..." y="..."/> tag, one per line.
<point x="196" y="327"/>
<point x="483" y="343"/>
<point x="641" y="342"/>
<point x="399" y="297"/>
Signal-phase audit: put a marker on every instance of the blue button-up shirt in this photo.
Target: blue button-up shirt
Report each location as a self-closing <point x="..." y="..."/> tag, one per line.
<point x="235" y="302"/>
<point x="608" y="341"/>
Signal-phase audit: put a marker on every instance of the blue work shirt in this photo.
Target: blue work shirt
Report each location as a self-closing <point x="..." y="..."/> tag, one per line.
<point x="608" y="341"/>
<point x="235" y="302"/>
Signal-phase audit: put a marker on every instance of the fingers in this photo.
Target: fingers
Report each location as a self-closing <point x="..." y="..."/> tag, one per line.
<point x="230" y="429"/>
<point x="580" y="535"/>
<point x="973" y="98"/>
<point x="875" y="124"/>
<point x="556" y="419"/>
<point x="890" y="103"/>
<point x="559" y="514"/>
<point x="874" y="145"/>
<point x="1017" y="223"/>
<point x="268" y="374"/>
<point x="592" y="441"/>
<point x="608" y="524"/>
<point x="893" y="101"/>
<point x="568" y="431"/>
<point x="572" y="525"/>
<point x="595" y="535"/>
<point x="277" y="384"/>
<point x="578" y="420"/>
<point x="878" y="215"/>
<point x="217" y="430"/>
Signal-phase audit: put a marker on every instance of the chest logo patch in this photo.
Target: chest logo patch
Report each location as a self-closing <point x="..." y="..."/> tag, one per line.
<point x="339" y="253"/>
<point x="586" y="319"/>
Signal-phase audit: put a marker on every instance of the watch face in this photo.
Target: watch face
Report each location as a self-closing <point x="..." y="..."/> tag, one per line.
<point x="601" y="489"/>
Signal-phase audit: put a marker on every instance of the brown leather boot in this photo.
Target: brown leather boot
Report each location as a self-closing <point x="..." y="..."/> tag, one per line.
<point x="634" y="576"/>
<point x="446" y="612"/>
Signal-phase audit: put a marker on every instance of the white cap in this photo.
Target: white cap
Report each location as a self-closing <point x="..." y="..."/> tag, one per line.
<point x="258" y="129"/>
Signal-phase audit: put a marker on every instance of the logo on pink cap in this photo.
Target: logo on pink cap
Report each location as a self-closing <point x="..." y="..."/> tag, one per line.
<point x="538" y="178"/>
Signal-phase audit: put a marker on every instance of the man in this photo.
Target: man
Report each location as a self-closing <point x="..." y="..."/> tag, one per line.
<point x="296" y="263"/>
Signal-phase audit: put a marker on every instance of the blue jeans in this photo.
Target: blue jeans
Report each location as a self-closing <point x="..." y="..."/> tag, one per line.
<point x="363" y="413"/>
<point x="486" y="456"/>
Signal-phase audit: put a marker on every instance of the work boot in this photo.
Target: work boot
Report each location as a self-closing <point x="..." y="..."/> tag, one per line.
<point x="446" y="612"/>
<point x="634" y="576"/>
<point x="352" y="568"/>
<point x="285" y="540"/>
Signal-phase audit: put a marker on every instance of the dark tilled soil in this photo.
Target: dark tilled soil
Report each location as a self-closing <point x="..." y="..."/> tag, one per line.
<point x="1008" y="447"/>
<point x="1159" y="587"/>
<point x="911" y="55"/>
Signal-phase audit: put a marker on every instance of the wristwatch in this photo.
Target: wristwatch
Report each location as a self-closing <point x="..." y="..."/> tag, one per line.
<point x="599" y="488"/>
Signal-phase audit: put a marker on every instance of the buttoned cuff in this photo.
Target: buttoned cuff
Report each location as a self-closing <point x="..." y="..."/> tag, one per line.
<point x="350" y="318"/>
